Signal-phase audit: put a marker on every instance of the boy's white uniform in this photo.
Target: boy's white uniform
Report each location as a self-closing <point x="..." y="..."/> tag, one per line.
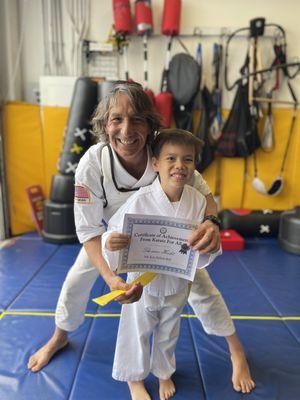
<point x="97" y="173"/>
<point x="162" y="301"/>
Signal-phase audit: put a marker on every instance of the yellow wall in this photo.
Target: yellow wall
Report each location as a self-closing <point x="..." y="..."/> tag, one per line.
<point x="33" y="139"/>
<point x="31" y="154"/>
<point x="236" y="174"/>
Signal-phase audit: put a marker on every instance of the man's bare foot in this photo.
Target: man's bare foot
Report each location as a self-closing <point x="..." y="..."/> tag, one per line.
<point x="241" y="377"/>
<point x="138" y="390"/>
<point x="166" y="389"/>
<point x="42" y="357"/>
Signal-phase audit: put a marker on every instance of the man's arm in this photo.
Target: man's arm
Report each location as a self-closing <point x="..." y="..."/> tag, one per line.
<point x="206" y="238"/>
<point x="114" y="282"/>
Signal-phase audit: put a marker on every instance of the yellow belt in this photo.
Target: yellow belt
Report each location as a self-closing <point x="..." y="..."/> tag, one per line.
<point x="143" y="279"/>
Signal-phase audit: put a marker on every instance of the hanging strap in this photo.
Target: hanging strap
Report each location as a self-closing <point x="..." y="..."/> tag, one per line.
<point x="292" y="126"/>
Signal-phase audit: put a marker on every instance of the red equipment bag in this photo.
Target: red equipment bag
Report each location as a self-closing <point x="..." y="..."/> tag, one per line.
<point x="36" y="201"/>
<point x="164" y="105"/>
<point x="122" y="17"/>
<point x="171" y="18"/>
<point x="231" y="240"/>
<point x="143" y="16"/>
<point x="150" y="95"/>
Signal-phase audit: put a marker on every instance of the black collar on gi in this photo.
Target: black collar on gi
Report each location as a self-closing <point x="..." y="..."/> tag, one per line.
<point x="112" y="168"/>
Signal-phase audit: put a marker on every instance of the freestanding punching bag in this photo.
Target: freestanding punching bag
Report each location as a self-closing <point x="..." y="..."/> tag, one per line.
<point x="77" y="137"/>
<point x="170" y="28"/>
<point x="144" y="25"/>
<point x="59" y="225"/>
<point x="104" y="88"/>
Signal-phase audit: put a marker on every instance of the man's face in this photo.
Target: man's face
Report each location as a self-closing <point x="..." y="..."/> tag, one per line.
<point x="126" y="131"/>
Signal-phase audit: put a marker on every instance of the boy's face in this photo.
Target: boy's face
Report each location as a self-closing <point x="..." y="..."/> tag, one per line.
<point x="175" y="165"/>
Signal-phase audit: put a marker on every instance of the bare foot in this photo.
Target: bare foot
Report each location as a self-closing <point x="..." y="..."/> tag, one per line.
<point x="241" y="378"/>
<point x="42" y="357"/>
<point x="166" y="389"/>
<point x="138" y="390"/>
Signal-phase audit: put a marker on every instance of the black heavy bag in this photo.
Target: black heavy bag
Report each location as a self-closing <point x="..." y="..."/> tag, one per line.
<point x="59" y="225"/>
<point x="249" y="223"/>
<point x="77" y="136"/>
<point x="104" y="88"/>
<point x="239" y="136"/>
<point x="62" y="189"/>
<point x="183" y="83"/>
<point x="202" y="132"/>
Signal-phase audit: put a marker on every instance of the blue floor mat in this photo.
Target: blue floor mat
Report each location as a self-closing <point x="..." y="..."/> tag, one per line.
<point x="98" y="358"/>
<point x="20" y="336"/>
<point x="19" y="263"/>
<point x="261" y="286"/>
<point x="273" y="354"/>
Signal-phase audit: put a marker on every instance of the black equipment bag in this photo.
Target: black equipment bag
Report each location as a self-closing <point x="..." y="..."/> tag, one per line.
<point x="183" y="82"/>
<point x="207" y="112"/>
<point x="239" y="135"/>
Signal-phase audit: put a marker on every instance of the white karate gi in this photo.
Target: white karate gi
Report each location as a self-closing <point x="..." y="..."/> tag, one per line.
<point x="158" y="311"/>
<point x="90" y="217"/>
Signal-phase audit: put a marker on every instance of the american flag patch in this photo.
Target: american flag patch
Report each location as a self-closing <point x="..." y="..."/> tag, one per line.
<point x="82" y="195"/>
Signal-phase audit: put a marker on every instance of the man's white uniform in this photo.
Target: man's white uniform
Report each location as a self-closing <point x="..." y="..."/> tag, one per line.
<point x="100" y="178"/>
<point x="159" y="309"/>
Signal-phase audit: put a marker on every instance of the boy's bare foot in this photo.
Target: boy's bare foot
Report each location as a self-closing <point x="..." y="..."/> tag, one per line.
<point x="166" y="389"/>
<point x="42" y="357"/>
<point x="241" y="378"/>
<point x="138" y="390"/>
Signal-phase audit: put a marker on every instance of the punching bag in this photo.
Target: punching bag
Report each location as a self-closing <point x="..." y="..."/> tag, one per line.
<point x="164" y="105"/>
<point x="144" y="24"/>
<point x="143" y="17"/>
<point x="170" y="27"/>
<point x="59" y="224"/>
<point x="77" y="136"/>
<point x="171" y="18"/>
<point x="122" y="17"/>
<point x="104" y="88"/>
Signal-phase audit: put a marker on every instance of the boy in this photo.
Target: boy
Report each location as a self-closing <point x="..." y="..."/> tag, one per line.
<point x="158" y="311"/>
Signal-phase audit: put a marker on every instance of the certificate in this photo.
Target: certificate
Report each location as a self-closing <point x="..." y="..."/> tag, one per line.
<point x="158" y="244"/>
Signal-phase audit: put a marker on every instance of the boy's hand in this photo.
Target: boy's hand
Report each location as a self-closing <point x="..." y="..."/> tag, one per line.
<point x="133" y="292"/>
<point x="206" y="238"/>
<point x="117" y="241"/>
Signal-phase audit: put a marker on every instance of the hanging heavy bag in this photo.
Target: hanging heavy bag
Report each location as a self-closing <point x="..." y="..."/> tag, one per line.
<point x="164" y="100"/>
<point x="239" y="136"/>
<point x="170" y="27"/>
<point x="183" y="83"/>
<point x="207" y="155"/>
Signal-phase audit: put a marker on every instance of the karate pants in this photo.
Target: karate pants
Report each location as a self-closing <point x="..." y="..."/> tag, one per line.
<point x="157" y="315"/>
<point x="205" y="299"/>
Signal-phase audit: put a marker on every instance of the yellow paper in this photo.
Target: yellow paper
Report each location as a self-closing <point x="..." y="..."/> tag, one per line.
<point x="143" y="279"/>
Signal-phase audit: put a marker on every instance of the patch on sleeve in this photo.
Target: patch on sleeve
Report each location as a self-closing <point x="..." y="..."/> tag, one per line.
<point x="82" y="195"/>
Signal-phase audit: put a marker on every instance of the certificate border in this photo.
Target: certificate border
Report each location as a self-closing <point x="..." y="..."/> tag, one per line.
<point x="155" y="220"/>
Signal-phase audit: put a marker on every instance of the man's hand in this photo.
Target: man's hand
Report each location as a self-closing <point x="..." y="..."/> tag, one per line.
<point x="206" y="238"/>
<point x="133" y="292"/>
<point x="117" y="241"/>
